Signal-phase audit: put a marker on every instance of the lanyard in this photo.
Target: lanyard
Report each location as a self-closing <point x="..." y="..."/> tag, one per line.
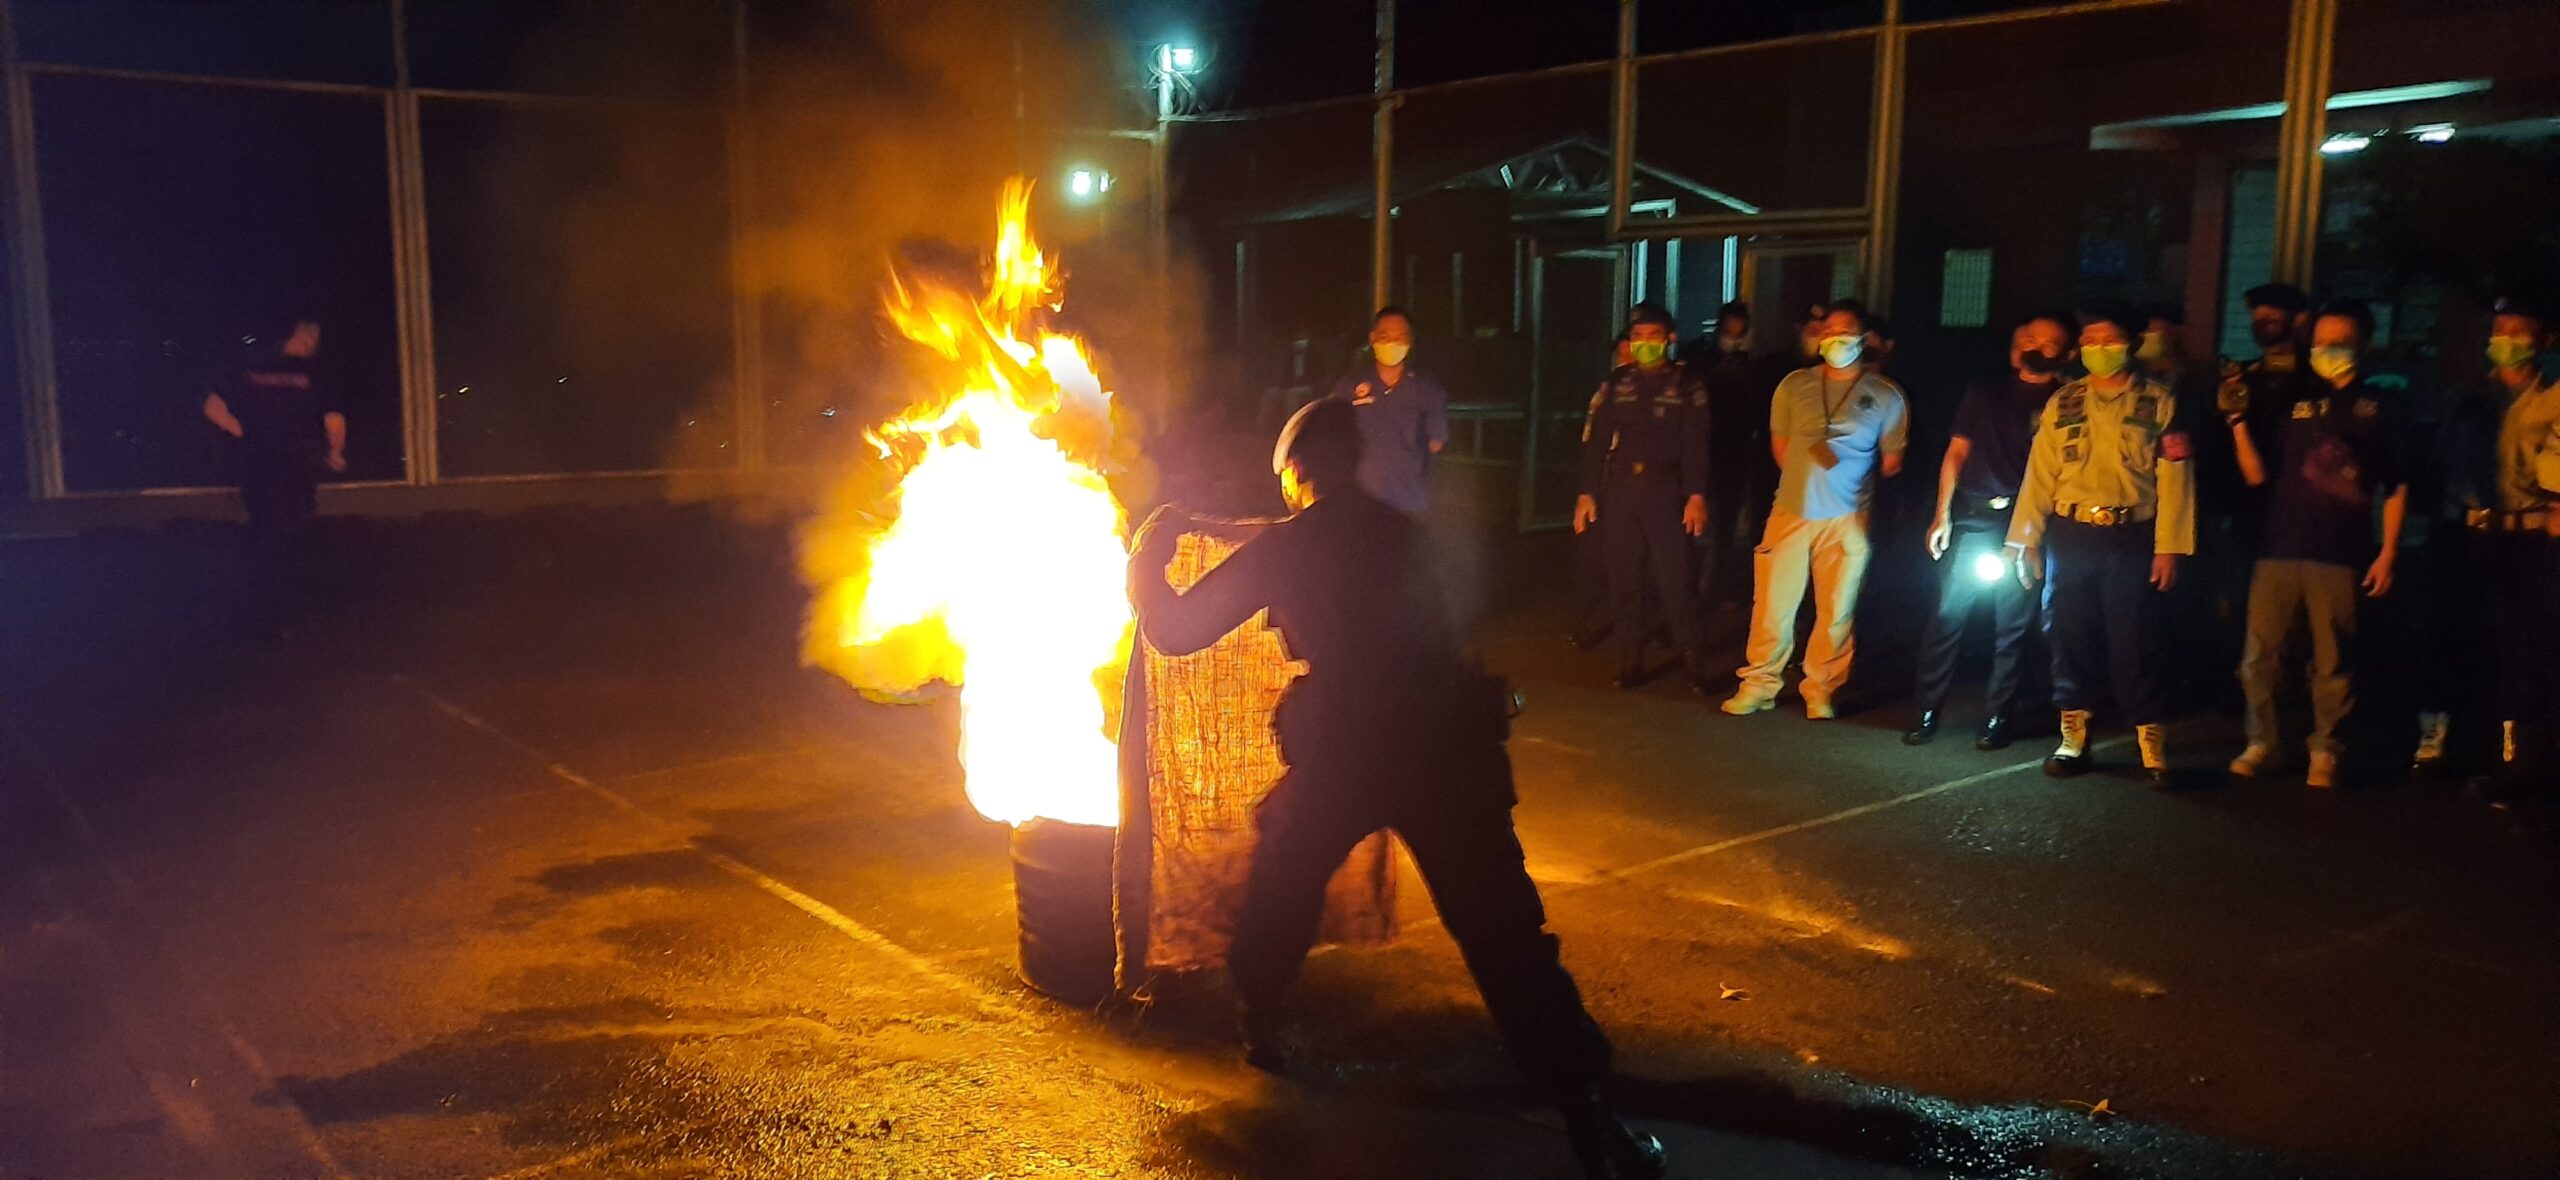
<point x="1829" y="407"/>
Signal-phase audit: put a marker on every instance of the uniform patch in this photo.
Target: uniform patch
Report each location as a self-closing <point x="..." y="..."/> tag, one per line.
<point x="1362" y="394"/>
<point x="2176" y="447"/>
<point x="2071" y="452"/>
<point x="1866" y="401"/>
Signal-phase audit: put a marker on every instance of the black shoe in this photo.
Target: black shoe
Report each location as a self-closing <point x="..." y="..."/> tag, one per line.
<point x="1701" y="681"/>
<point x="1608" y="1148"/>
<point x="1995" y="734"/>
<point x="1925" y="732"/>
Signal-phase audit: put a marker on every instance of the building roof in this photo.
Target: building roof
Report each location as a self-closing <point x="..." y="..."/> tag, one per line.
<point x="1568" y="177"/>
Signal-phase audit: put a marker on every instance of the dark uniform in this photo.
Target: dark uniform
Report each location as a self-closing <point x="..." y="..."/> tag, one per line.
<point x="1998" y="422"/>
<point x="1387" y="729"/>
<point x="280" y="404"/>
<point x="1741" y="476"/>
<point x="2503" y="482"/>
<point x="1644" y="453"/>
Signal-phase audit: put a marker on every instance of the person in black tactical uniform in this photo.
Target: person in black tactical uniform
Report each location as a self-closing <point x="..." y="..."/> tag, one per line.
<point x="1978" y="485"/>
<point x="1388" y="728"/>
<point x="1644" y="481"/>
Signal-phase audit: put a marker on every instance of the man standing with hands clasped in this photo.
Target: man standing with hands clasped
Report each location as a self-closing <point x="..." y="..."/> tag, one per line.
<point x="2335" y="458"/>
<point x="2109" y="491"/>
<point x="1832" y="427"/>
<point x="1644" y="481"/>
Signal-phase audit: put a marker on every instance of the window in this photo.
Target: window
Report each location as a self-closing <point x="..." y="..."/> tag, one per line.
<point x="1964" y="295"/>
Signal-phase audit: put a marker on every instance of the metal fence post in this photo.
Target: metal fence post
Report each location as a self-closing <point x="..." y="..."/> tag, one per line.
<point x="1382" y="162"/>
<point x="1884" y="159"/>
<point x="2307" y="59"/>
<point x="39" y="393"/>
<point x="412" y="292"/>
<point x="1622" y="122"/>
<point x="746" y="295"/>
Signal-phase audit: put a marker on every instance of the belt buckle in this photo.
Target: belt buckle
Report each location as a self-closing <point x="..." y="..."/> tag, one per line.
<point x="2000" y="503"/>
<point x="2103" y="517"/>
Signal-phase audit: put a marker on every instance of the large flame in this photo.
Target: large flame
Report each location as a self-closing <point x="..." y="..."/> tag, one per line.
<point x="996" y="560"/>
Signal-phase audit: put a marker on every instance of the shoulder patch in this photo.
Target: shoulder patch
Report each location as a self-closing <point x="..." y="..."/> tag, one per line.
<point x="2176" y="447"/>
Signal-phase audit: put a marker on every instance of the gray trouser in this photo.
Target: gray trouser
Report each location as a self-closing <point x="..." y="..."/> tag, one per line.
<point x="2325" y="595"/>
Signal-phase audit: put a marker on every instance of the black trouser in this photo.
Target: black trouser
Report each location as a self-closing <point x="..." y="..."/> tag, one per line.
<point x="1961" y="587"/>
<point x="1454" y="814"/>
<point x="1640" y="524"/>
<point x="280" y="492"/>
<point x="2523" y="571"/>
<point x="1738" y="502"/>
<point x="2104" y="614"/>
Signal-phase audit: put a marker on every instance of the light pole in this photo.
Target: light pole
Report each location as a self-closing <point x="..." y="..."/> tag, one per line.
<point x="1173" y="65"/>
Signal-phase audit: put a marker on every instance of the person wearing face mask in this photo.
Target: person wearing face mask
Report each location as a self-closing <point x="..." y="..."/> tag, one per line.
<point x="1404" y="414"/>
<point x="1390" y="727"/>
<point x="1978" y="485"/>
<point x="1832" y="428"/>
<point x="2106" y="511"/>
<point x="2503" y="487"/>
<point x="1739" y="474"/>
<point x="1644" y="482"/>
<point x="2335" y="457"/>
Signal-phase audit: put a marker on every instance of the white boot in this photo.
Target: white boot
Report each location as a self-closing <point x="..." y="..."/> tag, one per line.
<point x="2072" y="756"/>
<point x="2433" y="728"/>
<point x="2507" y="743"/>
<point x="2251" y="761"/>
<point x="2155" y="752"/>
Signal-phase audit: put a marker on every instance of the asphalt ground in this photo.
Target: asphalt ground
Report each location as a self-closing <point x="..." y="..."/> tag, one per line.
<point x="533" y="852"/>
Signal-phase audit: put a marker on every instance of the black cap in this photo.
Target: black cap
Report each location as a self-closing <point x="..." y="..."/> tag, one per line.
<point x="2284" y="297"/>
<point x="2523" y="304"/>
<point x="2117" y="312"/>
<point x="1323" y="437"/>
<point x="1734" y="308"/>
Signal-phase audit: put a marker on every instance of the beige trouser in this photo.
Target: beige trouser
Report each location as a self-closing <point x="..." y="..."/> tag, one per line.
<point x="1834" y="554"/>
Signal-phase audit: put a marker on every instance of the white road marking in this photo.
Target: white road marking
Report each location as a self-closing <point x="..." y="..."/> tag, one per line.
<point x="296" y="1119"/>
<point x="1823" y="821"/>
<point x="832" y="917"/>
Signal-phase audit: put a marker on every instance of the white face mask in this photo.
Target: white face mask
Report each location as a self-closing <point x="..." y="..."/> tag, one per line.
<point x="1842" y="351"/>
<point x="1390" y="352"/>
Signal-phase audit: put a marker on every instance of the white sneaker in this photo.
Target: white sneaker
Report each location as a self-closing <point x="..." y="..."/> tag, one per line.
<point x="1815" y="710"/>
<point x="2433" y="729"/>
<point x="2323" y="772"/>
<point x="2250" y="761"/>
<point x="1746" y="703"/>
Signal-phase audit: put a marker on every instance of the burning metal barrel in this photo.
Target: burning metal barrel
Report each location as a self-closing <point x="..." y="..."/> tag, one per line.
<point x="1062" y="895"/>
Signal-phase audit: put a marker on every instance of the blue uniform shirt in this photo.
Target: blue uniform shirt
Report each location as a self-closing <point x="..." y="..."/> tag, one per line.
<point x="1399" y="424"/>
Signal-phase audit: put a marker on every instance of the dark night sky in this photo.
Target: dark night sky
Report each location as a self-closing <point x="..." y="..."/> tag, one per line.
<point x="1276" y="51"/>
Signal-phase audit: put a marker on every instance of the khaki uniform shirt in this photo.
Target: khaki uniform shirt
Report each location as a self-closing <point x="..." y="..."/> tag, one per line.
<point x="2101" y="450"/>
<point x="2529" y="449"/>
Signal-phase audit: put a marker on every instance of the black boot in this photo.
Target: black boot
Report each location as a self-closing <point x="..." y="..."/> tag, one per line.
<point x="1608" y="1148"/>
<point x="1995" y="733"/>
<point x="1630" y="670"/>
<point x="1925" y="732"/>
<point x="1701" y="681"/>
<point x="1268" y="1045"/>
